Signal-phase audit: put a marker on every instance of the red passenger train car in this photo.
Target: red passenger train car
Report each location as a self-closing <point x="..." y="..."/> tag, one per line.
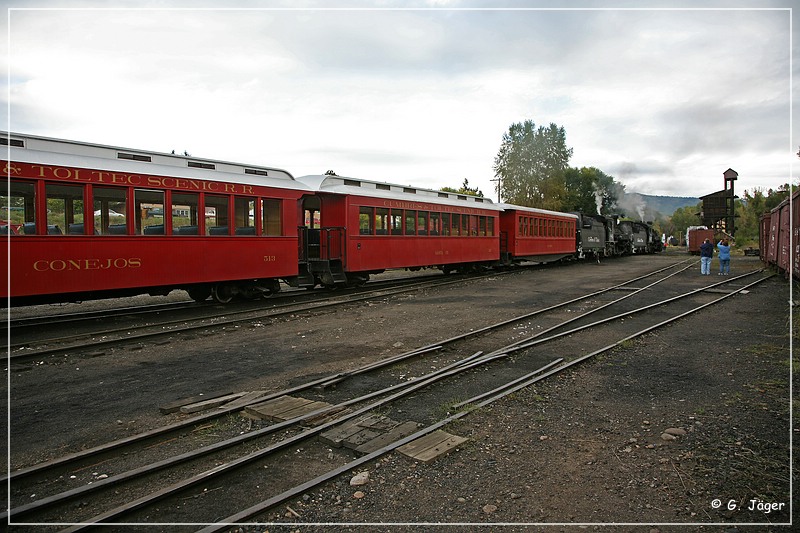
<point x="539" y="235"/>
<point x="354" y="228"/>
<point x="89" y="221"/>
<point x="85" y="221"/>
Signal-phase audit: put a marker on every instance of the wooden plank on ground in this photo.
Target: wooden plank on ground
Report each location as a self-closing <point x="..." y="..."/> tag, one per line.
<point x="357" y="439"/>
<point x="275" y="404"/>
<point x="431" y="446"/>
<point x="244" y="400"/>
<point x="396" y="433"/>
<point x="328" y="416"/>
<point x="440" y="449"/>
<point x="208" y="404"/>
<point x="271" y="408"/>
<point x="175" y="406"/>
<point x="301" y="410"/>
<point x="379" y="423"/>
<point x="335" y="436"/>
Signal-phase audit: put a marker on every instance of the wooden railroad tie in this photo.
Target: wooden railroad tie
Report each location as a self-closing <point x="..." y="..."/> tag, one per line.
<point x="431" y="446"/>
<point x="287" y="407"/>
<point x="372" y="433"/>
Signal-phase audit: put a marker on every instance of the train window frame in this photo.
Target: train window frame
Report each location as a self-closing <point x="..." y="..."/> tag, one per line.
<point x="65" y="212"/>
<point x="445" y="226"/>
<point x="366" y="220"/>
<point x="220" y="217"/>
<point x="396" y="222"/>
<point x="271" y="217"/>
<point x="490" y="226"/>
<point x="455" y="225"/>
<point x="382" y="220"/>
<point x="104" y="200"/>
<point x="148" y="205"/>
<point x="409" y="216"/>
<point x="185" y="205"/>
<point x="435" y="228"/>
<point x="422" y="223"/>
<point x="244" y="216"/>
<point x="20" y="198"/>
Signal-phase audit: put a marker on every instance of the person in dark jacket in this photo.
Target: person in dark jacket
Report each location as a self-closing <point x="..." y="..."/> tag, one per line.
<point x="706" y="253"/>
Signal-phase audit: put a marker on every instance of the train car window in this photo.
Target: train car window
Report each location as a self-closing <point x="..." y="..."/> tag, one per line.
<point x="244" y="210"/>
<point x="109" y="204"/>
<point x="271" y="217"/>
<point x="422" y="222"/>
<point x="185" y="210"/>
<point x="312" y="218"/>
<point x="366" y="217"/>
<point x="456" y="227"/>
<point x="381" y="221"/>
<point x="216" y="215"/>
<point x="64" y="209"/>
<point x="149" y="208"/>
<point x="482" y="226"/>
<point x="18" y="207"/>
<point x="411" y="221"/>
<point x="436" y="224"/>
<point x="445" y="229"/>
<point x="490" y="226"/>
<point x="396" y="222"/>
<point x="473" y="225"/>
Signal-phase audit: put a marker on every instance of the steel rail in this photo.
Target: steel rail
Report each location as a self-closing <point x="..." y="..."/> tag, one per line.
<point x="612" y="302"/>
<point x="238" y="518"/>
<point x="322" y="382"/>
<point x="480" y="331"/>
<point x="304" y="308"/>
<point x="534" y="340"/>
<point x="458" y="366"/>
<point x="218" y="446"/>
<point x="406" y="388"/>
<point x="77" y="316"/>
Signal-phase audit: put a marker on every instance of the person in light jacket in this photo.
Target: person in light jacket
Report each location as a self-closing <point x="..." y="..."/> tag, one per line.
<point x="724" y="257"/>
<point x="706" y="253"/>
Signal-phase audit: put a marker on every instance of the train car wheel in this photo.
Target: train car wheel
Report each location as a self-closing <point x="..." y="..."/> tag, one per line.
<point x="223" y="293"/>
<point x="199" y="294"/>
<point x="357" y="280"/>
<point x="273" y="287"/>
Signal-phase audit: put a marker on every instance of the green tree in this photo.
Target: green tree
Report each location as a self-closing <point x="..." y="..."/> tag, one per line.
<point x="531" y="164"/>
<point x="588" y="190"/>
<point x="465" y="189"/>
<point x="748" y="215"/>
<point x="683" y="217"/>
<point x="775" y="197"/>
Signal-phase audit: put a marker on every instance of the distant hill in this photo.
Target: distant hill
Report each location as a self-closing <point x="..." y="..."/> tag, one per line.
<point x="667" y="205"/>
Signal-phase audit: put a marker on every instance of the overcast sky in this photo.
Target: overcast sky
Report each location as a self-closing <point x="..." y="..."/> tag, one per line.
<point x="663" y="100"/>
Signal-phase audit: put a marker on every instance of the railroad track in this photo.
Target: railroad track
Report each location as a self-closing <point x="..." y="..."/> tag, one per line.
<point x="96" y="340"/>
<point x="514" y="364"/>
<point x="22" y="318"/>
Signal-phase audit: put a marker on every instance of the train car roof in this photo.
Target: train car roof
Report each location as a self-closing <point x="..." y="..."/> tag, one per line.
<point x="35" y="149"/>
<point x="353" y="186"/>
<point x="512" y="207"/>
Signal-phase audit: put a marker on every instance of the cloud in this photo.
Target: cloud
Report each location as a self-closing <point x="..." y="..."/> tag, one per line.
<point x="417" y="96"/>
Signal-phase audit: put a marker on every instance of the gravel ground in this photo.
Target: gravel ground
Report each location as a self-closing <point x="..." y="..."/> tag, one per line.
<point x="651" y="436"/>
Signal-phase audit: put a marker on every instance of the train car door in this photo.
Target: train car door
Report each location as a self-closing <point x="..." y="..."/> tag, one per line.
<point x="310" y="228"/>
<point x="322" y="239"/>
